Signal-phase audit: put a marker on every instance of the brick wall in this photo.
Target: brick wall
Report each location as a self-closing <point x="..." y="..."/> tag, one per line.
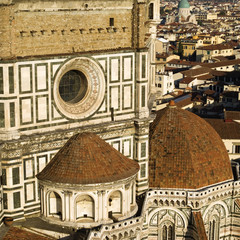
<point x="38" y="29"/>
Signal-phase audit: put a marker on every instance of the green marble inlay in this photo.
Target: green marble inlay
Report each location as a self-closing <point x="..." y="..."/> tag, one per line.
<point x="143" y="150"/>
<point x="143" y="66"/>
<point x="143" y="96"/>
<point x="16" y="200"/>
<point x="15" y="174"/>
<point x="143" y="170"/>
<point x="5" y="201"/>
<point x="21" y="79"/>
<point x="25" y="191"/>
<point x="110" y="69"/>
<point x="12" y="114"/>
<point x="28" y="168"/>
<point x="1" y="80"/>
<point x="4" y="177"/>
<point x="2" y="116"/>
<point x="11" y="79"/>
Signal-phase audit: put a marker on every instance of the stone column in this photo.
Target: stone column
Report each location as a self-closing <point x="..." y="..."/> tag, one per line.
<point x="104" y="206"/>
<point x="128" y="196"/>
<point x="100" y="206"/>
<point x="46" y="203"/>
<point x="141" y="153"/>
<point x="67" y="205"/>
<point x="138" y="235"/>
<point x="72" y="210"/>
<point x="134" y="192"/>
<point x="42" y="197"/>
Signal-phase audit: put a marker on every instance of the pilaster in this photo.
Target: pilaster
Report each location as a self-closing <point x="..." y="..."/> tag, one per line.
<point x="141" y="154"/>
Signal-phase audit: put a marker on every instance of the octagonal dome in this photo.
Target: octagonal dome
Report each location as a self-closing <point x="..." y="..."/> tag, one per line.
<point x="185" y="151"/>
<point x="87" y="159"/>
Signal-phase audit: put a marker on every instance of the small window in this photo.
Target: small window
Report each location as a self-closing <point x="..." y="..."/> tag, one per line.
<point x="150" y="11"/>
<point x="237" y="148"/>
<point x="111" y="22"/>
<point x="214" y="229"/>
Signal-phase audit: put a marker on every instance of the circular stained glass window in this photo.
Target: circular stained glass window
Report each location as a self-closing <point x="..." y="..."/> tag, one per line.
<point x="73" y="86"/>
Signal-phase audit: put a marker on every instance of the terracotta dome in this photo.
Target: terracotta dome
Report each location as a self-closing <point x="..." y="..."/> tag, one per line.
<point x="87" y="159"/>
<point x="185" y="151"/>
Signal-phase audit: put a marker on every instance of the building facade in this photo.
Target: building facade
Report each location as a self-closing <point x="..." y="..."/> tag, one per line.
<point x="61" y="74"/>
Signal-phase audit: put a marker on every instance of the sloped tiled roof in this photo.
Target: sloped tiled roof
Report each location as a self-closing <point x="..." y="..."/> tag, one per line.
<point x="235" y="115"/>
<point x="185" y="152"/>
<point x="87" y="159"/>
<point x="15" y="233"/>
<point x="199" y="224"/>
<point x="187" y="80"/>
<point x="227" y="129"/>
<point x="216" y="47"/>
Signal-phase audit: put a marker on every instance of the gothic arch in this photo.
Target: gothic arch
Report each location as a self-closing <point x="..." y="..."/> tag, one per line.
<point x="215" y="216"/>
<point x="178" y="212"/>
<point x="221" y="203"/>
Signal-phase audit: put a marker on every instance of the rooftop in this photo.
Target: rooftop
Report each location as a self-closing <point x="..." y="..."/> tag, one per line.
<point x="185" y="152"/>
<point x="87" y="159"/>
<point x="226" y="128"/>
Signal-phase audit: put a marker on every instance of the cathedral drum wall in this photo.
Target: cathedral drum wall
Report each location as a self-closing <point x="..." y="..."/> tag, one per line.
<point x="59" y="27"/>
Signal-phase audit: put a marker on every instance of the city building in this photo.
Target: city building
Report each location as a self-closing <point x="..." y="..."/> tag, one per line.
<point x="69" y="67"/>
<point x="81" y="150"/>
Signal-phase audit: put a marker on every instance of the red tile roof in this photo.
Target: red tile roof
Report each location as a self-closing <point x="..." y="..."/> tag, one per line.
<point x="235" y="115"/>
<point x="197" y="216"/>
<point x="187" y="80"/>
<point x="185" y="152"/>
<point x="15" y="233"/>
<point x="225" y="128"/>
<point x="217" y="47"/>
<point x="87" y="159"/>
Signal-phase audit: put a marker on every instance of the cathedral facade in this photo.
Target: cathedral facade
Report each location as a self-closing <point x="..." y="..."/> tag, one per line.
<point x="75" y="75"/>
<point x="69" y="67"/>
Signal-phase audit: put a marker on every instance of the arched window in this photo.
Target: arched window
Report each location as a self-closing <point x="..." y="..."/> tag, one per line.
<point x="167" y="231"/>
<point x="214" y="228"/>
<point x="84" y="207"/>
<point x="55" y="205"/>
<point x="164" y="232"/>
<point x="170" y="233"/>
<point x="150" y="11"/>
